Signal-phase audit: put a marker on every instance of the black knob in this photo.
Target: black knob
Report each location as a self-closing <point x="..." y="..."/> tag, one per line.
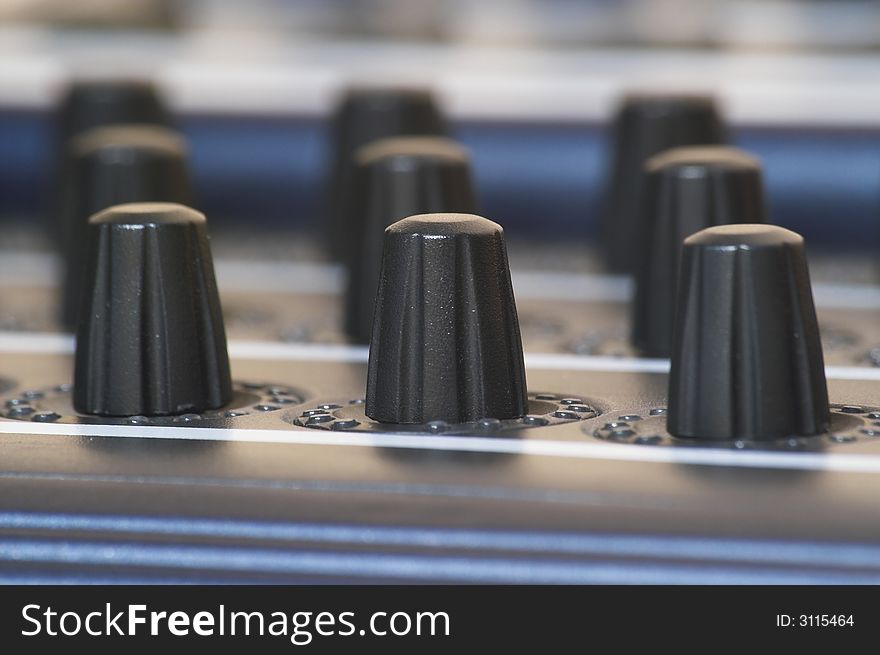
<point x="94" y="103"/>
<point x="151" y="340"/>
<point x="395" y="178"/>
<point x="747" y="359"/>
<point x="686" y="190"/>
<point x="644" y="126"/>
<point x="364" y="115"/>
<point x="446" y="343"/>
<point x="109" y="166"/>
<point x="88" y="104"/>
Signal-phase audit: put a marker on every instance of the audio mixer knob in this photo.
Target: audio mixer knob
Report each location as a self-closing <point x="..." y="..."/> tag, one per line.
<point x="88" y="104"/>
<point x="395" y="178"/>
<point x="446" y="342"/>
<point x="747" y="360"/>
<point x="646" y="125"/>
<point x="109" y="166"/>
<point x="151" y="339"/>
<point x="95" y="103"/>
<point x="365" y="115"/>
<point x="686" y="190"/>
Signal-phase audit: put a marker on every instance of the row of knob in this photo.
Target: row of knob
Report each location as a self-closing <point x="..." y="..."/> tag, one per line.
<point x="377" y="178"/>
<point x="431" y="293"/>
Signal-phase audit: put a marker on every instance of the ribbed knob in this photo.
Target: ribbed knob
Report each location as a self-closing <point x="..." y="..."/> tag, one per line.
<point x="364" y="115"/>
<point x="446" y="342"/>
<point x="686" y="190"/>
<point x="644" y="126"/>
<point x="395" y="178"/>
<point x="151" y="340"/>
<point x="88" y="104"/>
<point x="747" y="360"/>
<point x="109" y="166"/>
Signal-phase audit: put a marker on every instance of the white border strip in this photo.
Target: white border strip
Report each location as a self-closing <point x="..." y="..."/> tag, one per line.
<point x="860" y="463"/>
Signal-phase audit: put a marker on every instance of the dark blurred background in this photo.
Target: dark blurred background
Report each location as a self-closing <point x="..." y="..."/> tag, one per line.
<point x="529" y="86"/>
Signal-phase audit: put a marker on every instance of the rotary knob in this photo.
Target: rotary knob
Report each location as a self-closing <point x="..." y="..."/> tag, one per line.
<point x="95" y="103"/>
<point x="446" y="342"/>
<point x="88" y="104"/>
<point x="110" y="166"/>
<point x="151" y="340"/>
<point x="646" y="125"/>
<point x="747" y="360"/>
<point x="686" y="190"/>
<point x="364" y="115"/>
<point x="395" y="178"/>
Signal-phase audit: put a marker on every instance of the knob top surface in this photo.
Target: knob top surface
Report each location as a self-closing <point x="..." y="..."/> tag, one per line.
<point x="692" y="161"/>
<point x="129" y="137"/>
<point x="444" y="225"/>
<point x="148" y="213"/>
<point x="744" y="236"/>
<point x="409" y="148"/>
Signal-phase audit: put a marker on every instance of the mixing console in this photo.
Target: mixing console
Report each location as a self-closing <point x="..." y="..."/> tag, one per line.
<point x="395" y="382"/>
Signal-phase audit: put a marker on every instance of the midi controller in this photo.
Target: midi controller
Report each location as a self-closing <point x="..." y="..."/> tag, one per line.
<point x="396" y="348"/>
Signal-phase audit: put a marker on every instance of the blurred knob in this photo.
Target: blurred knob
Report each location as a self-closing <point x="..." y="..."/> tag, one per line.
<point x="644" y="126"/>
<point x="747" y="361"/>
<point x="109" y="166"/>
<point x="686" y="190"/>
<point x="362" y="116"/>
<point x="446" y="342"/>
<point x="395" y="178"/>
<point x="151" y="340"/>
<point x="86" y="104"/>
<point x="95" y="103"/>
